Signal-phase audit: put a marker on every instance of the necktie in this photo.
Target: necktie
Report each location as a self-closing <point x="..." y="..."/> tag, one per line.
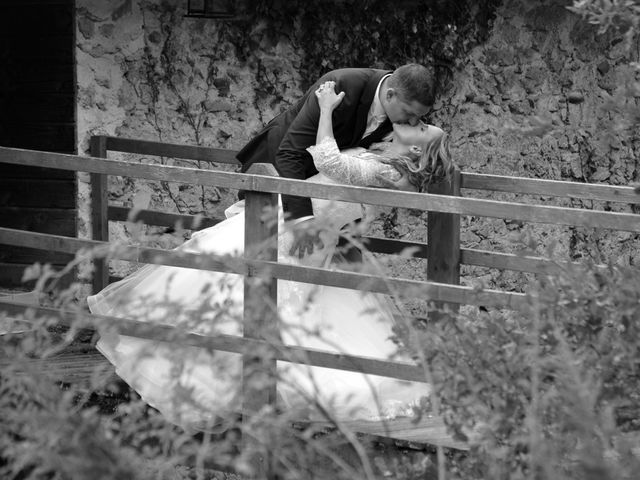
<point x="377" y="135"/>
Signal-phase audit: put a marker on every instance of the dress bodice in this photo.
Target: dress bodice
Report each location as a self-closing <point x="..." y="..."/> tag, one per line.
<point x="334" y="212"/>
<point x="330" y="216"/>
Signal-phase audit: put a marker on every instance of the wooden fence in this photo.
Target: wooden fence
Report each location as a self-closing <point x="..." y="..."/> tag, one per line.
<point x="442" y="249"/>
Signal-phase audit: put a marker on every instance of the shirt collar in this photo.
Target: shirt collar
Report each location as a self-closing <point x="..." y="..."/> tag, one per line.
<point x="377" y="111"/>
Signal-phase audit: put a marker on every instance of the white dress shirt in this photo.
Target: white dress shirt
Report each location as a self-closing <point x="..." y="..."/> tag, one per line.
<point x="376" y="114"/>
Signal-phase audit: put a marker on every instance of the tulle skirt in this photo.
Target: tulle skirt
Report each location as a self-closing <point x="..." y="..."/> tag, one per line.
<point x="196" y="387"/>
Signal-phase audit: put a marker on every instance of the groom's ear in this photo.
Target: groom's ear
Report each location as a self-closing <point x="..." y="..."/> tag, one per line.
<point x="416" y="150"/>
<point x="390" y="93"/>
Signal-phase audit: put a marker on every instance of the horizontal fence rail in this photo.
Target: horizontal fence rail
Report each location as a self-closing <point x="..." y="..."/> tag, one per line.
<point x="188" y="152"/>
<point x="551" y="188"/>
<point x="161" y="219"/>
<point x="375" y="196"/>
<point x="468" y="256"/>
<point x="237" y="265"/>
<point x="227" y="343"/>
<point x="469" y="180"/>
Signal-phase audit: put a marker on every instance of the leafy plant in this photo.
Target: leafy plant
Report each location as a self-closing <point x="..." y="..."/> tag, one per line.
<point x="370" y="33"/>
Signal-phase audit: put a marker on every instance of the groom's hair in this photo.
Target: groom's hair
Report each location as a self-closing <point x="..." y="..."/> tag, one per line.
<point x="413" y="82"/>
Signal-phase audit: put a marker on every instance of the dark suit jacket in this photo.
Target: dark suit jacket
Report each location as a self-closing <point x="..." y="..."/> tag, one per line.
<point x="284" y="140"/>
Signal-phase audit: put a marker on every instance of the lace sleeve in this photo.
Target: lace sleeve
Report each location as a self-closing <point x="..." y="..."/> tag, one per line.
<point x="355" y="167"/>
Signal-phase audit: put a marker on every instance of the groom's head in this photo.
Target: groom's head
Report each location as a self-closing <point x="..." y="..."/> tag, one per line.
<point x="408" y="94"/>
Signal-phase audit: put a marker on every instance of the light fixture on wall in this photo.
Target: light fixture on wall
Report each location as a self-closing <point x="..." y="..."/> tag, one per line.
<point x="211" y="8"/>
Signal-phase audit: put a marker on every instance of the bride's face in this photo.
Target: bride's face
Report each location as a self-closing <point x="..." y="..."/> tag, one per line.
<point x="410" y="139"/>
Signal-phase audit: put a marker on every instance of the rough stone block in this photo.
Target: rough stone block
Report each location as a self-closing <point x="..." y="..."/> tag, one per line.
<point x="218" y="106"/>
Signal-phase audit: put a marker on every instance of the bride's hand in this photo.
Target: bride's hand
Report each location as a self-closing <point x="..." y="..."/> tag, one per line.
<point x="328" y="99"/>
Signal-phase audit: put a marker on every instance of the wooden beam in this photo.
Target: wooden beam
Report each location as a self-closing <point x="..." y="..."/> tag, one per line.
<point x="431" y="430"/>
<point x="190" y="152"/>
<point x="319" y="276"/>
<point x="469" y="256"/>
<point x="82" y="365"/>
<point x="512" y="261"/>
<point x="260" y="320"/>
<point x="443" y="238"/>
<point x="99" y="221"/>
<point x="374" y="196"/>
<point x="162" y="219"/>
<point x="226" y="343"/>
<point x="552" y="188"/>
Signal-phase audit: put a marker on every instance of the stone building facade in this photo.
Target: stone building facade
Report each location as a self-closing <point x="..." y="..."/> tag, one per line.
<point x="543" y="97"/>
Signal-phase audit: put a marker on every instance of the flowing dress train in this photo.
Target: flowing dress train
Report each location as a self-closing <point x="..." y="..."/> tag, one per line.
<point x="195" y="387"/>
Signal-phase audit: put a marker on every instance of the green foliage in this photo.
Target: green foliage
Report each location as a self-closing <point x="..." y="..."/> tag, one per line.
<point x="620" y="15"/>
<point x="370" y="33"/>
<point x="618" y="21"/>
<point x="95" y="427"/>
<point x="546" y="390"/>
<point x="549" y="392"/>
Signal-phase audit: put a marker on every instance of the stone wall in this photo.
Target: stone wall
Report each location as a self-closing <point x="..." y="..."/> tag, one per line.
<point x="146" y="71"/>
<point x="531" y="101"/>
<point x="541" y="98"/>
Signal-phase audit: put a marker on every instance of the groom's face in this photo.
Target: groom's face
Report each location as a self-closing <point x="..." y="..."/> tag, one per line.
<point x="402" y="111"/>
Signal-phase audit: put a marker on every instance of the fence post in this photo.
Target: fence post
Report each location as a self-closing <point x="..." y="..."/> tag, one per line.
<point x="443" y="243"/>
<point x="99" y="220"/>
<point x="260" y="313"/>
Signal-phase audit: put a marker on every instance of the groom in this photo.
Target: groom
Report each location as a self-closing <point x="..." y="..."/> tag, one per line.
<point x="374" y="99"/>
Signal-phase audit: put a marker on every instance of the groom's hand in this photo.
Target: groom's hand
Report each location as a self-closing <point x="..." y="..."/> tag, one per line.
<point x="305" y="237"/>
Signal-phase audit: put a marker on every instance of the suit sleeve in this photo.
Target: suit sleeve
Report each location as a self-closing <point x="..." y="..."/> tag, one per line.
<point x="292" y="159"/>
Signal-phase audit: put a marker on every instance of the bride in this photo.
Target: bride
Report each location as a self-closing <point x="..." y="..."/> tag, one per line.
<point x="196" y="387"/>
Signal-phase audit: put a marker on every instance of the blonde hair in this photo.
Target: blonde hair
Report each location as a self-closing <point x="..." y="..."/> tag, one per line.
<point x="433" y="165"/>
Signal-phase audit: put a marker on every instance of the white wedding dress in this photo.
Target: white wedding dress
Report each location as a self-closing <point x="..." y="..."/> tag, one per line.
<point x="195" y="387"/>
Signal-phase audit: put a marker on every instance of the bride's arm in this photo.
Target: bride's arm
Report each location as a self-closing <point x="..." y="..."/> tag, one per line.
<point x="328" y="100"/>
<point x="363" y="169"/>
<point x="346" y="168"/>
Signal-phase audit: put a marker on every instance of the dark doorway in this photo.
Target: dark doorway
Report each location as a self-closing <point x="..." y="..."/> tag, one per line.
<point x="37" y="112"/>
